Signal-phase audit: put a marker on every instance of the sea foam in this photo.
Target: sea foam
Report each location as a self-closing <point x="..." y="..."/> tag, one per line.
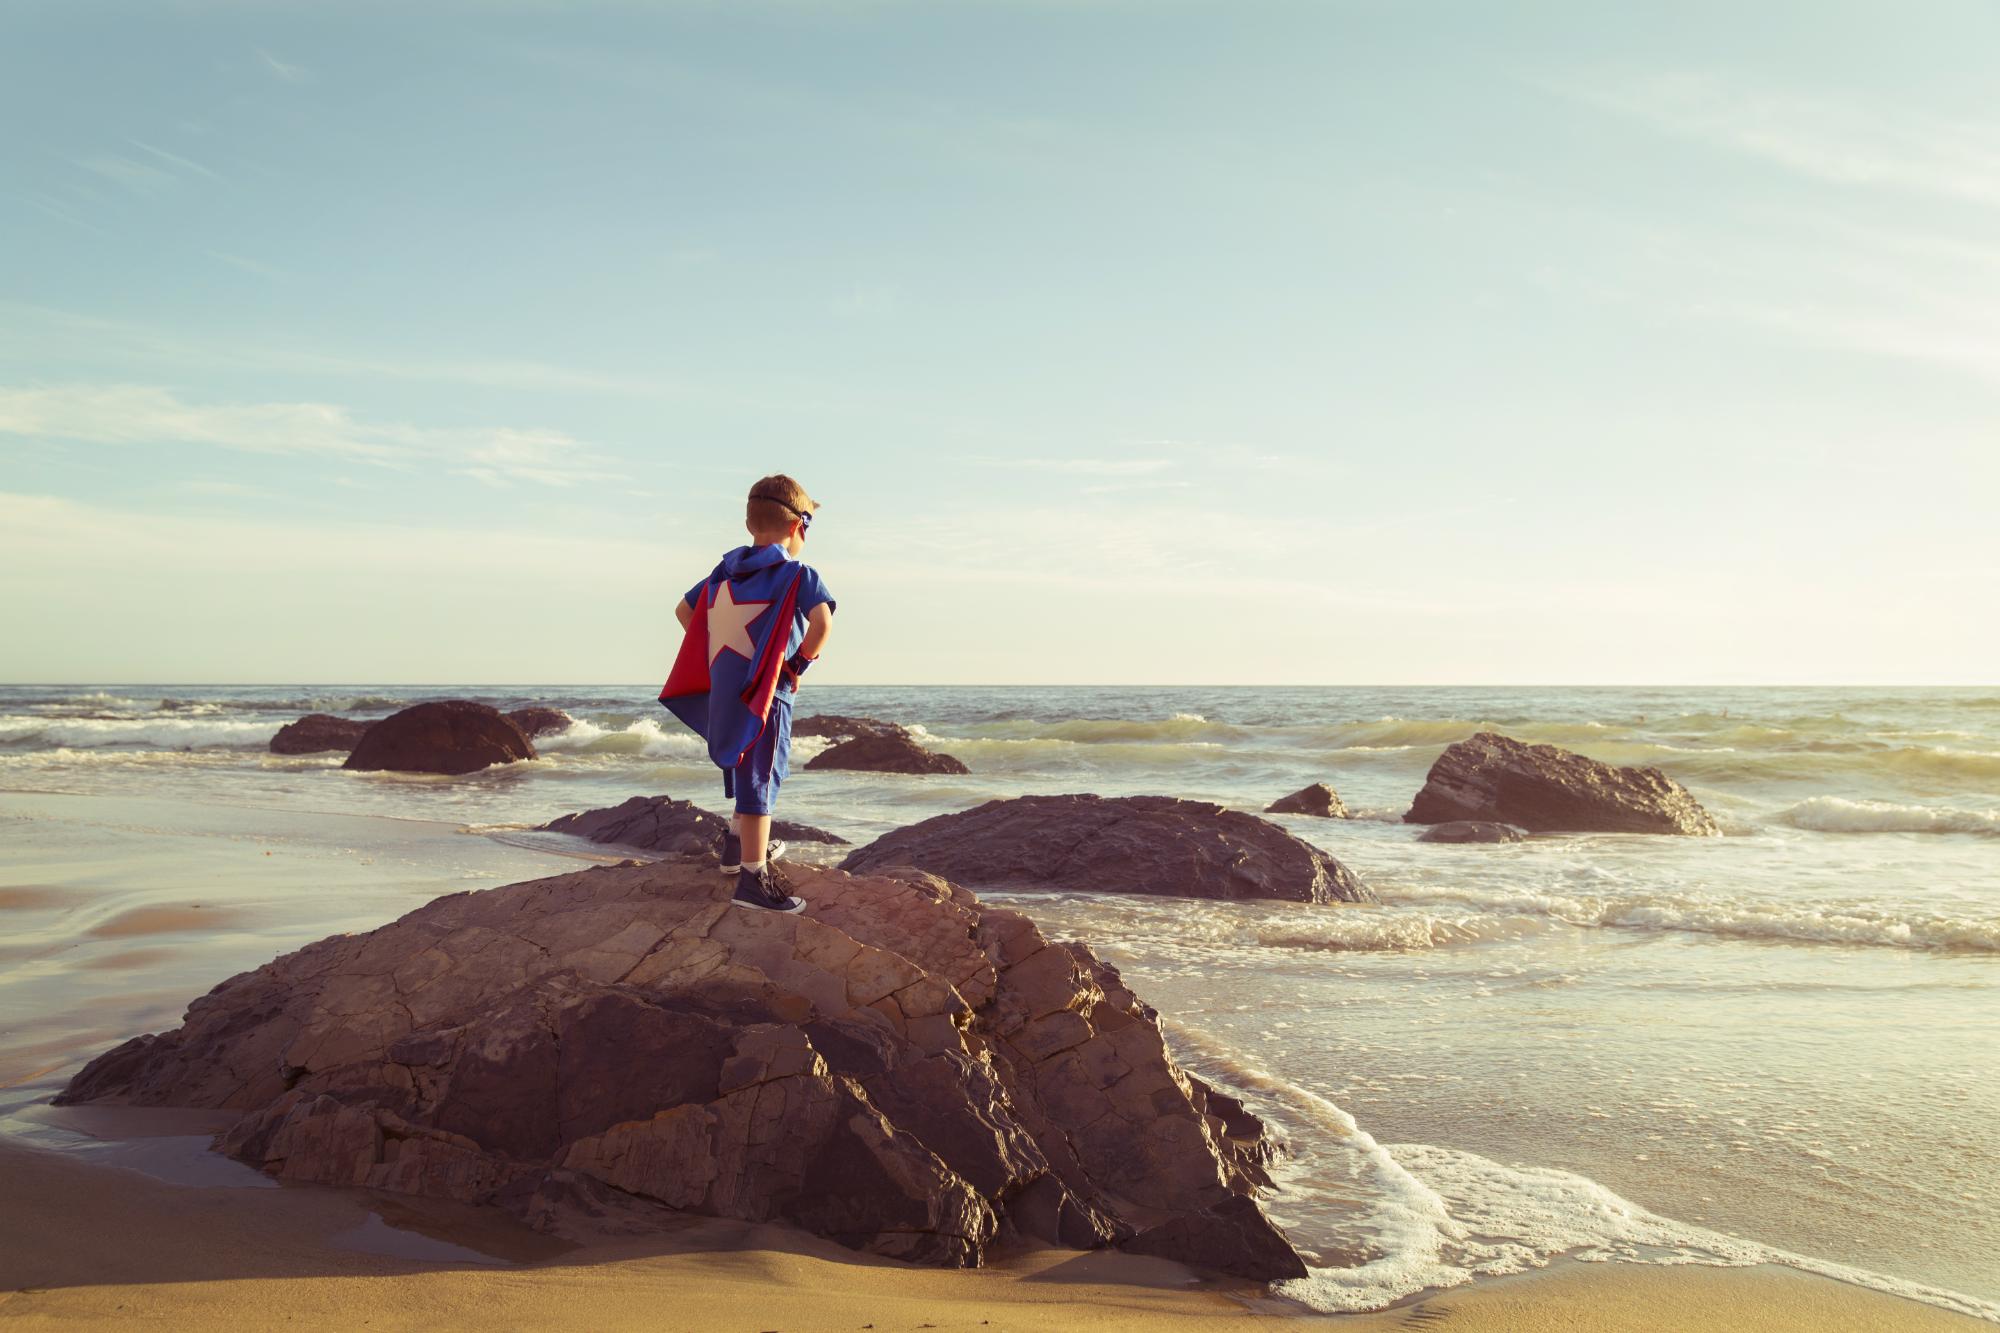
<point x="1388" y="1221"/>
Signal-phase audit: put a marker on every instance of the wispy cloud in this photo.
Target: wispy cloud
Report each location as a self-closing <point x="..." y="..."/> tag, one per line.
<point x="283" y="69"/>
<point x="188" y="165"/>
<point x="1912" y="295"/>
<point x="82" y="538"/>
<point x="127" y="414"/>
<point x="1840" y="142"/>
<point x="56" y="210"/>
<point x="32" y="326"/>
<point x="1123" y="487"/>
<point x="136" y="176"/>
<point x="1088" y="467"/>
<point x="235" y="490"/>
<point x="247" y="264"/>
<point x="1931" y="337"/>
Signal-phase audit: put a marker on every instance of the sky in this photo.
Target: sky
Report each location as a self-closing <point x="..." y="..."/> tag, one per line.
<point x="1339" y="342"/>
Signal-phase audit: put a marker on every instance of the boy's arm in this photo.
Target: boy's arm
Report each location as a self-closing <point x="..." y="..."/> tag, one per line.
<point x="683" y="612"/>
<point x="819" y="623"/>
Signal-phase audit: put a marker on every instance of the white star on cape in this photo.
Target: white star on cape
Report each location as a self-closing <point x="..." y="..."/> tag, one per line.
<point x="729" y="624"/>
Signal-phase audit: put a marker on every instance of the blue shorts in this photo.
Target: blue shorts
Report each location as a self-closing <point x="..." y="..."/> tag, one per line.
<point x="754" y="782"/>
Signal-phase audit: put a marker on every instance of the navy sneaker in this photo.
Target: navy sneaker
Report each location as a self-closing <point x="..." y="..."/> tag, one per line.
<point x="763" y="889"/>
<point x="732" y="853"/>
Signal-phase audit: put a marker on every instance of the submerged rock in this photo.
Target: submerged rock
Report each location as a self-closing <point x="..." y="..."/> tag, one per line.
<point x="656" y="823"/>
<point x="447" y="736"/>
<point x="316" y="733"/>
<point x="677" y="828"/>
<point x="1116" y="844"/>
<point x="1471" y="830"/>
<point x="1547" y="789"/>
<point x="885" y="754"/>
<point x="901" y="1069"/>
<point x="842" y="727"/>
<point x="1318" y="799"/>
<point x="539" y="721"/>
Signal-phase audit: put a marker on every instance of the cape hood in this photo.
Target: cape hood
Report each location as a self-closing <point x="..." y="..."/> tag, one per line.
<point x="749" y="559"/>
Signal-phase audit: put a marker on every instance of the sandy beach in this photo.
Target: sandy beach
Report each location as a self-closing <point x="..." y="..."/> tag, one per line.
<point x="91" y="1244"/>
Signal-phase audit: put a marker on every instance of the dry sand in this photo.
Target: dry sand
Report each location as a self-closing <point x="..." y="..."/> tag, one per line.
<point x="87" y="1243"/>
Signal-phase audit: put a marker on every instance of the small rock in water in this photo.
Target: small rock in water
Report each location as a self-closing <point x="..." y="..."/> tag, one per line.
<point x="675" y="828"/>
<point x="316" y="733"/>
<point x="1318" y="799"/>
<point x="1547" y="789"/>
<point x="885" y="754"/>
<point x="1117" y="844"/>
<point x="841" y="727"/>
<point x="1471" y="830"/>
<point x="452" y="736"/>
<point x="539" y="721"/>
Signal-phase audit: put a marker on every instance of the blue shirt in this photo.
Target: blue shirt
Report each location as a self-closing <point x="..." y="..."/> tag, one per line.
<point x="812" y="593"/>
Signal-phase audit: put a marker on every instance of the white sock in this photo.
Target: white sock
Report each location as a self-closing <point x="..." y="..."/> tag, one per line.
<point x="753" y="866"/>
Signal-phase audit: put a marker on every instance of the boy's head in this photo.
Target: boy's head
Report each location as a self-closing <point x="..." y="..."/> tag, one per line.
<point x="778" y="512"/>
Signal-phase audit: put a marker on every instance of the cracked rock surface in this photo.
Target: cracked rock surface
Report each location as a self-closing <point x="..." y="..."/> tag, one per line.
<point x="1547" y="789"/>
<point x="902" y="1069"/>
<point x="1117" y="844"/>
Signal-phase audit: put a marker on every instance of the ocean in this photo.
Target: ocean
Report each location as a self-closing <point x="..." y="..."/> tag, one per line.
<point x="1777" y="1046"/>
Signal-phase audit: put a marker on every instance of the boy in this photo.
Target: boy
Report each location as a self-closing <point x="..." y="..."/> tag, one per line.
<point x="752" y="627"/>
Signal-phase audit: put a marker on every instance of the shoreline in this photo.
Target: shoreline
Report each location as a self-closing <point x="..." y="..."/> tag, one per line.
<point x="83" y="1242"/>
<point x="251" y="859"/>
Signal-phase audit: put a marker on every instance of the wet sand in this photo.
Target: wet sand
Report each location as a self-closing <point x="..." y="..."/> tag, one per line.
<point x="85" y="1243"/>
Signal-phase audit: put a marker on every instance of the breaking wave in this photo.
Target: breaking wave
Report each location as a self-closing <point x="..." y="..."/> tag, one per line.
<point x="1804" y="923"/>
<point x="170" y="733"/>
<point x="644" y="738"/>
<point x="1833" y="814"/>
<point x="1091" y="731"/>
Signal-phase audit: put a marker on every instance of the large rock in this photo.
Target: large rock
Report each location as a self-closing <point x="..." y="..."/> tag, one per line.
<point x="539" y="721"/>
<point x="885" y="754"/>
<point x="902" y="1069"/>
<point x="316" y="733"/>
<point x="1318" y="799"/>
<point x="676" y="828"/>
<point x="1116" y="844"/>
<point x="1547" y="789"/>
<point x="841" y="727"/>
<point x="448" y="736"/>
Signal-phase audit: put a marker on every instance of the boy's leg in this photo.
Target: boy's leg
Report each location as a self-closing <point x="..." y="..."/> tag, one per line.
<point x="757" y="781"/>
<point x="755" y="833"/>
<point x="756" y="788"/>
